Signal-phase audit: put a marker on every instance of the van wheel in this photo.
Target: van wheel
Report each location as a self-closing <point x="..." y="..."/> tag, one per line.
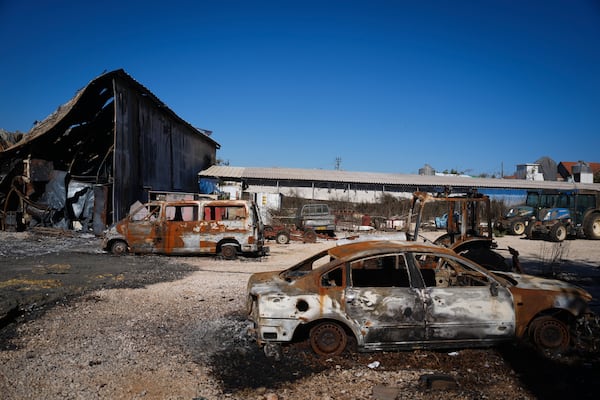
<point x="229" y="251"/>
<point x="118" y="247"/>
<point x="558" y="232"/>
<point x="591" y="227"/>
<point x="328" y="339"/>
<point x="282" y="238"/>
<point x="549" y="334"/>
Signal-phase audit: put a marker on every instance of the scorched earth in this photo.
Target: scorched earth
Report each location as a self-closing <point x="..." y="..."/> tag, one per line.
<point x="78" y="323"/>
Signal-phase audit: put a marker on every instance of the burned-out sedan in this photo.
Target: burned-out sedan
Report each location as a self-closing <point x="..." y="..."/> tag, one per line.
<point x="387" y="295"/>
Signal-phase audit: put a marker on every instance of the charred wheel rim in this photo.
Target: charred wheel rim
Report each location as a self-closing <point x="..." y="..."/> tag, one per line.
<point x="228" y="252"/>
<point x="550" y="334"/>
<point x="119" y="247"/>
<point x="328" y="339"/>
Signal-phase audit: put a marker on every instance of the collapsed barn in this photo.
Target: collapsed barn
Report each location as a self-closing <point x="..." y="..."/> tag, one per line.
<point x="109" y="146"/>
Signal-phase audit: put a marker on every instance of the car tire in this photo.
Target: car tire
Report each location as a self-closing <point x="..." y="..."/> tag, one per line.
<point x="591" y="226"/>
<point x="558" y="232"/>
<point x="549" y="334"/>
<point x="282" y="238"/>
<point x="119" y="248"/>
<point x="517" y="228"/>
<point x="328" y="339"/>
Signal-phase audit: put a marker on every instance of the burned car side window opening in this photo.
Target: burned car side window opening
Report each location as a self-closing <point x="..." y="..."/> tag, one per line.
<point x="151" y="213"/>
<point x="212" y="213"/>
<point x="333" y="278"/>
<point x="441" y="271"/>
<point x="182" y="213"/>
<point x="380" y="271"/>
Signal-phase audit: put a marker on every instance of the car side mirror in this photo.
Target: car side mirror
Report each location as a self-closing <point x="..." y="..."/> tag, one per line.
<point x="494" y="289"/>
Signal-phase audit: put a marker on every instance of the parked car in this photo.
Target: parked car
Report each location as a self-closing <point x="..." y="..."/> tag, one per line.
<point x="225" y="227"/>
<point x="390" y="295"/>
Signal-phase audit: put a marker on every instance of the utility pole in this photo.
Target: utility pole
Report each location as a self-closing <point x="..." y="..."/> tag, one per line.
<point x="338" y="163"/>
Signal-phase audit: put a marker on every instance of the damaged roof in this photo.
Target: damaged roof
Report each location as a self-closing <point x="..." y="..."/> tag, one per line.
<point x="87" y="103"/>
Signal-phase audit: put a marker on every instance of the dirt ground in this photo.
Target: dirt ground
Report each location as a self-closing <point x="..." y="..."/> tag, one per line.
<point x="77" y="323"/>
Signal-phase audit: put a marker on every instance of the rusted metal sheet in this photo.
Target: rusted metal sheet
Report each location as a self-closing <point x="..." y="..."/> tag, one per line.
<point x="405" y="295"/>
<point x="189" y="227"/>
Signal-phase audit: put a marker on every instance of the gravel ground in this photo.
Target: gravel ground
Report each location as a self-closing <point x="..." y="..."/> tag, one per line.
<point x="175" y="328"/>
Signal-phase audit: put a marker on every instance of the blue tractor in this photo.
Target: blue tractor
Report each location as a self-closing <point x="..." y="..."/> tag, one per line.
<point x="575" y="214"/>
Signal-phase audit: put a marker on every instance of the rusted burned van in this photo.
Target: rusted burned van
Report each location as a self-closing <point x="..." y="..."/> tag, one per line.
<point x="225" y="227"/>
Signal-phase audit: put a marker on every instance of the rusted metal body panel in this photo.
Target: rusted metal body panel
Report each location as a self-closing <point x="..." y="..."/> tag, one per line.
<point x="403" y="295"/>
<point x="190" y="227"/>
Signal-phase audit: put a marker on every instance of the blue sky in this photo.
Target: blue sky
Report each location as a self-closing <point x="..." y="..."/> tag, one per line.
<point x="386" y="86"/>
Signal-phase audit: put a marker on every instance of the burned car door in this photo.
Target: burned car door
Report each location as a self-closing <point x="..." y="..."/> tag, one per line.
<point x="464" y="304"/>
<point x="380" y="299"/>
<point x="145" y="230"/>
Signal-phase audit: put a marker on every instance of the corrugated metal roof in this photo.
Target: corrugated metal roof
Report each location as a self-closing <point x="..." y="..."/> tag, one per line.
<point x="321" y="175"/>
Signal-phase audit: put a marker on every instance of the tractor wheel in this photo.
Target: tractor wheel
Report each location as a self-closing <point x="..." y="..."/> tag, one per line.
<point x="310" y="236"/>
<point x="529" y="230"/>
<point x="328" y="339"/>
<point x="282" y="238"/>
<point x="517" y="228"/>
<point x="269" y="232"/>
<point x="118" y="248"/>
<point x="591" y="226"/>
<point x="558" y="232"/>
<point x="549" y="334"/>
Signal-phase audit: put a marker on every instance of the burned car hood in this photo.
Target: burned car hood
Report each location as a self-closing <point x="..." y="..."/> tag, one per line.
<point x="531" y="282"/>
<point x="266" y="282"/>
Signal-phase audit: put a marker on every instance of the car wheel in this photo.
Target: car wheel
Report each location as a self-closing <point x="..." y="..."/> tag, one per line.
<point x="558" y="232"/>
<point x="591" y="227"/>
<point x="118" y="247"/>
<point x="229" y="251"/>
<point x="550" y="334"/>
<point x="282" y="238"/>
<point x="518" y="228"/>
<point x="328" y="339"/>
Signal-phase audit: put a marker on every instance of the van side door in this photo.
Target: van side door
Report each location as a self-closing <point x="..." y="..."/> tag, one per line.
<point x="145" y="229"/>
<point x="182" y="228"/>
